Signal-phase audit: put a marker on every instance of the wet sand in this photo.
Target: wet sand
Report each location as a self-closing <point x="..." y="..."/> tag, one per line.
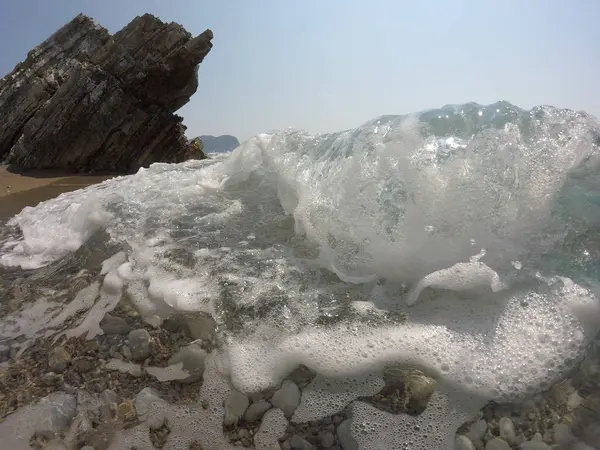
<point x="18" y="190"/>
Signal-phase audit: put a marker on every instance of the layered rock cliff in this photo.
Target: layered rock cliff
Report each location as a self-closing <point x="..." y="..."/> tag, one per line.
<point x="88" y="100"/>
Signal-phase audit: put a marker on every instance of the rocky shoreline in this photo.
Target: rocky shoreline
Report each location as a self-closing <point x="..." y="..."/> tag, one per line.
<point x="93" y="390"/>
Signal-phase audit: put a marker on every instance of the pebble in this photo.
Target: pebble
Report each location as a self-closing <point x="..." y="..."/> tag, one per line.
<point x="80" y="427"/>
<point x="507" y="430"/>
<point x="327" y="439"/>
<point x="63" y="408"/>
<point x="201" y="326"/>
<point x="477" y="430"/>
<point x="497" y="444"/>
<point x="126" y="352"/>
<point x="139" y="342"/>
<point x="55" y="444"/>
<point x="272" y="427"/>
<point x="236" y="404"/>
<point x="87" y="447"/>
<point x="256" y="411"/>
<point x="301" y="375"/>
<point x="581" y="446"/>
<point x="562" y="434"/>
<point x="192" y="357"/>
<point x="144" y="399"/>
<point x="287" y="398"/>
<point x="115" y="325"/>
<point x="463" y="443"/>
<point x="344" y="433"/>
<point x="299" y="443"/>
<point x="535" y="445"/>
<point x="58" y="359"/>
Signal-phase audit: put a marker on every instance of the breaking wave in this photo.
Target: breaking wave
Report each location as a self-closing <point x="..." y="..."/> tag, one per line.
<point x="472" y="229"/>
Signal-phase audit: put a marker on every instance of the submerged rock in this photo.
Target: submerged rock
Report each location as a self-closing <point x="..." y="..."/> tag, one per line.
<point x="88" y="100"/>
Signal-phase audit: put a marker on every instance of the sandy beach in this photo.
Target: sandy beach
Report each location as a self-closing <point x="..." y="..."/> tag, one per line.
<point x="18" y="190"/>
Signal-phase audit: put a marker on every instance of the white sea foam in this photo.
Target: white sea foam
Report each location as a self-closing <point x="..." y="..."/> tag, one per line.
<point x="283" y="239"/>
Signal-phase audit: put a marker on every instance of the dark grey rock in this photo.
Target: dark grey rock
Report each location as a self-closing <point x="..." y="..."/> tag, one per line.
<point x="85" y="100"/>
<point x="115" y="325"/>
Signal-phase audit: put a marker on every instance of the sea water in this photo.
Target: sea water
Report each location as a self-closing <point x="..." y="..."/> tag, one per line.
<point x="463" y="241"/>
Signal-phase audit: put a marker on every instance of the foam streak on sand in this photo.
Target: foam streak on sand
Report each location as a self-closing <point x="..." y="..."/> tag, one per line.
<point x="286" y="238"/>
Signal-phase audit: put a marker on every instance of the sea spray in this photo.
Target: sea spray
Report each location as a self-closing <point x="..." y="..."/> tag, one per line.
<point x="284" y="239"/>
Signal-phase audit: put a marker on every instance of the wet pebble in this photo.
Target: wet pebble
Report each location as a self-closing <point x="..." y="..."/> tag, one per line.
<point x="327" y="439"/>
<point x="139" y="344"/>
<point x="287" y="398"/>
<point x="507" y="431"/>
<point x="256" y="411"/>
<point x="192" y="357"/>
<point x="562" y="434"/>
<point x="463" y="443"/>
<point x="236" y="404"/>
<point x="144" y="399"/>
<point x="112" y="325"/>
<point x="535" y="445"/>
<point x="477" y="430"/>
<point x="126" y="352"/>
<point x="55" y="444"/>
<point x="497" y="444"/>
<point x="344" y="433"/>
<point x="58" y="359"/>
<point x="299" y="443"/>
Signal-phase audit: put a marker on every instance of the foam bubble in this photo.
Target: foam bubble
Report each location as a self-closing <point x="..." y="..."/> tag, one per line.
<point x="532" y="333"/>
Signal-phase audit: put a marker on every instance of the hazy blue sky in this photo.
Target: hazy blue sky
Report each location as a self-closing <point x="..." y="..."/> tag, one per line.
<point x="326" y="65"/>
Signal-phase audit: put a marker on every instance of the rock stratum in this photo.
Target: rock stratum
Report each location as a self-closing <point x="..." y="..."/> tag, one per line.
<point x="85" y="100"/>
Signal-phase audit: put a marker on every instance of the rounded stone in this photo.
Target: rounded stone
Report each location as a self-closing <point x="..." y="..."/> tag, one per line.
<point x="58" y="359"/>
<point x="256" y="411"/>
<point x="139" y="344"/>
<point x="507" y="430"/>
<point x="327" y="439"/>
<point x="563" y="434"/>
<point x="497" y="444"/>
<point x="287" y="398"/>
<point x="535" y="445"/>
<point x="463" y="443"/>
<point x="236" y="404"/>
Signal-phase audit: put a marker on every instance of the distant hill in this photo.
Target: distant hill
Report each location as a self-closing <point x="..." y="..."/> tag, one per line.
<point x="219" y="144"/>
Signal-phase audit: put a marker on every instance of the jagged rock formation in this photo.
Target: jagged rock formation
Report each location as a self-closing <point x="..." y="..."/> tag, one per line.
<point x="88" y="100"/>
<point x="218" y="144"/>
